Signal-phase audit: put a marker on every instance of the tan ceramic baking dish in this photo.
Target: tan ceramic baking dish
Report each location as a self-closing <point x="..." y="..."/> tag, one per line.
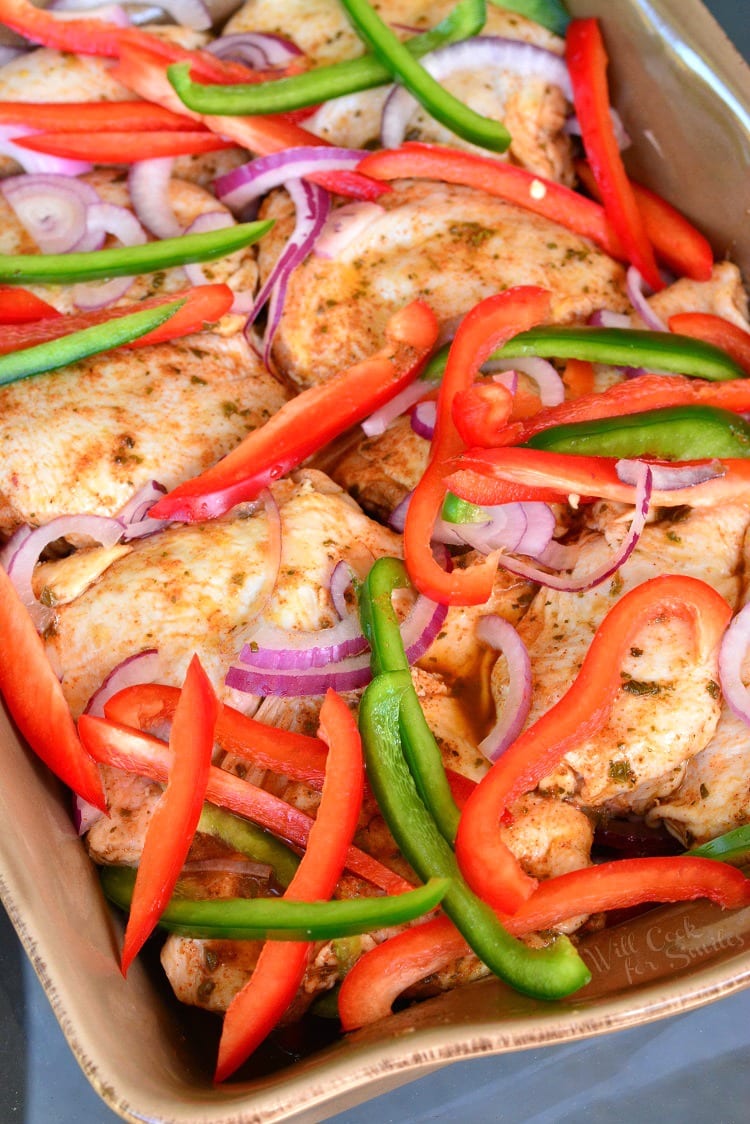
<point x="685" y="97"/>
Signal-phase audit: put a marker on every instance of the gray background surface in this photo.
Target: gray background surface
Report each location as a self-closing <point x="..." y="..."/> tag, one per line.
<point x="691" y="1069"/>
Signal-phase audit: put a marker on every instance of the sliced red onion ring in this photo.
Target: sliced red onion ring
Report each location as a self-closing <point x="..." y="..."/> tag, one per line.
<point x="108" y="13"/>
<point x="134" y="515"/>
<point x="148" y="185"/>
<point x="242" y="186"/>
<point x="344" y="225"/>
<point x="143" y="667"/>
<point x="341" y="583"/>
<point x="519" y="528"/>
<point x="37" y="163"/>
<point x="379" y="421"/>
<point x="669" y="478"/>
<point x="501" y="635"/>
<point x="637" y="291"/>
<point x="9" y="550"/>
<point x="292" y="650"/>
<point x="107" y="218"/>
<point x="21" y="567"/>
<point x="732" y="654"/>
<point x="312" y="205"/>
<point x="606" y="318"/>
<point x="209" y="220"/>
<point x="573" y="128"/>
<point x="347" y="675"/>
<point x="551" y="386"/>
<point x="53" y="209"/>
<point x="256" y="49"/>
<point x="85" y="815"/>
<point x="589" y="581"/>
<point x="507" y="378"/>
<point x="482" y="51"/>
<point x="423" y="418"/>
<point x="397" y="518"/>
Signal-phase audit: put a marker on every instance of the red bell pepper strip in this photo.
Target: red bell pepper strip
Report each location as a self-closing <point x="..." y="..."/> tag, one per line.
<point x="676" y="241"/>
<point x="482" y="330"/>
<point x="383" y="973"/>
<point x="205" y="304"/>
<point x="19" y="306"/>
<point x="146" y="706"/>
<point x="34" y="697"/>
<point x="716" y="330"/>
<point x="257" y="1008"/>
<point x="110" y="743"/>
<point x="93" y="116"/>
<point x="176" y="816"/>
<point x="493" y="476"/>
<point x="143" y="72"/>
<point x="647" y="392"/>
<point x="481" y="411"/>
<point x="486" y="863"/>
<point x="308" y="422"/>
<point x="587" y="64"/>
<point x="578" y="377"/>
<point x="123" y="148"/>
<point x="560" y="204"/>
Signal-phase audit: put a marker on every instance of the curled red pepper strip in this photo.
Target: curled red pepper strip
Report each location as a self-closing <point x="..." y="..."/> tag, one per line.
<point x="587" y="64"/>
<point x="718" y="331"/>
<point x="493" y="476"/>
<point x="487" y="864"/>
<point x="487" y="326"/>
<point x="19" y="306"/>
<point x="382" y="974"/>
<point x="647" y="392"/>
<point x="176" y="816"/>
<point x="111" y="743"/>
<point x="308" y="422"/>
<point x="482" y="410"/>
<point x="257" y="1008"/>
<point x="35" y="699"/>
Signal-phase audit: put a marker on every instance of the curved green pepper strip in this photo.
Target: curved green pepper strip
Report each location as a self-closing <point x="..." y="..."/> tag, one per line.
<point x="441" y="105"/>
<point x="679" y="433"/>
<point x="551" y="14"/>
<point x="79" y="345"/>
<point x="456" y="510"/>
<point x="625" y="347"/>
<point x="380" y="626"/>
<point x="324" y="82"/>
<point x="280" y="919"/>
<point x="547" y="973"/>
<point x="250" y="840"/>
<point x="124" y="261"/>
<point x="732" y="847"/>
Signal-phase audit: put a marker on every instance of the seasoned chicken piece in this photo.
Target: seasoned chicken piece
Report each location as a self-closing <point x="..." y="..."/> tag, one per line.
<point x="450" y="246"/>
<point x="668" y="707"/>
<point x="98" y="430"/>
<point x="119" y="837"/>
<point x="200" y="588"/>
<point x="379" y="471"/>
<point x="724" y="295"/>
<point x="238" y="270"/>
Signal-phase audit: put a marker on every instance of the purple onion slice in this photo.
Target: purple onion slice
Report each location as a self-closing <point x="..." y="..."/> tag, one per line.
<point x="501" y="635"/>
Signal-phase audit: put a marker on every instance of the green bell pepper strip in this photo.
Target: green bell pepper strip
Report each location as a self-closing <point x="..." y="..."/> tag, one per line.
<point x="280" y="919"/>
<point x="122" y="261"/>
<point x="675" y="433"/>
<point x="456" y="510"/>
<point x="665" y="351"/>
<point x="441" y="105"/>
<point x="551" y="14"/>
<point x="547" y="973"/>
<point x="250" y="840"/>
<point x="324" y="82"/>
<point x="733" y="847"/>
<point x="380" y="626"/>
<point x="79" y="345"/>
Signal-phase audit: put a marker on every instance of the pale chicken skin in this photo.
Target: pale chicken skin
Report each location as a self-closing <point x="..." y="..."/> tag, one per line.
<point x="448" y="245"/>
<point x="668" y="708"/>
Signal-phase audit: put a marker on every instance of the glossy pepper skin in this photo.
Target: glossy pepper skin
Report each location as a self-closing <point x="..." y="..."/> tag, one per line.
<point x="397" y="59"/>
<point x="19" y="306"/>
<point x="324" y="82"/>
<point x="626" y="347"/>
<point x="485" y="861"/>
<point x="125" y="147"/>
<point x="279" y="919"/>
<point x="122" y="261"/>
<point x="548" y="973"/>
<point x="380" y="626"/>
<point x="717" y="331"/>
<point x="587" y="61"/>
<point x="678" y="433"/>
